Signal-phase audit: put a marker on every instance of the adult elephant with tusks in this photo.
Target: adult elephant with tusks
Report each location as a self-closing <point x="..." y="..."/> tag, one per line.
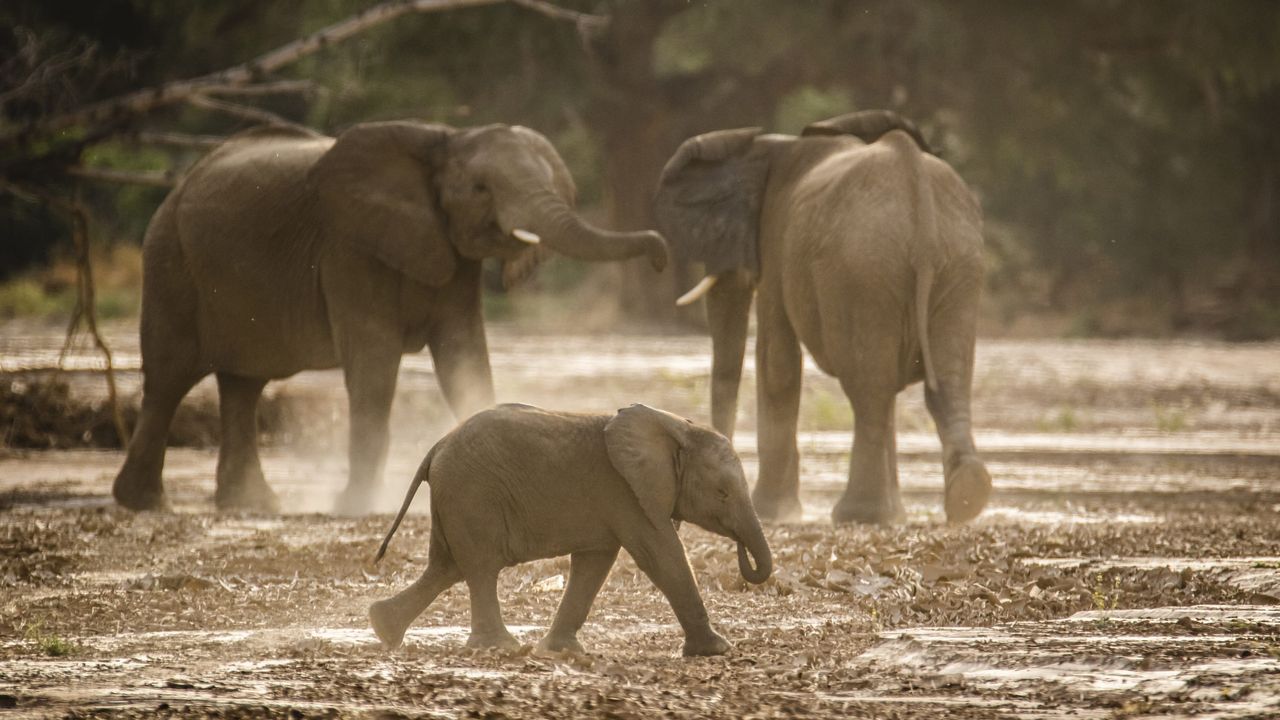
<point x="866" y="248"/>
<point x="286" y="250"/>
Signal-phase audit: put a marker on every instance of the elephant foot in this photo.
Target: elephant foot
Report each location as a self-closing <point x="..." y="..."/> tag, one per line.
<point x="778" y="510"/>
<point x="252" y="494"/>
<point x="140" y="499"/>
<point x="354" y="501"/>
<point x="498" y="640"/>
<point x="868" y="512"/>
<point x="709" y="643"/>
<point x="386" y="624"/>
<point x="560" y="644"/>
<point x="968" y="489"/>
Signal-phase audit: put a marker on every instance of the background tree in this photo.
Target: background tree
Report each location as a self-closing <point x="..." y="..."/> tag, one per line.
<point x="1125" y="151"/>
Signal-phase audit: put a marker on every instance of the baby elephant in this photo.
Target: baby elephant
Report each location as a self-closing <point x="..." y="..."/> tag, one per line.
<point x="517" y="483"/>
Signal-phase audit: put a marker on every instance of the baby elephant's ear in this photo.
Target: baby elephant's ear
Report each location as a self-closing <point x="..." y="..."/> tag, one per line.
<point x="642" y="444"/>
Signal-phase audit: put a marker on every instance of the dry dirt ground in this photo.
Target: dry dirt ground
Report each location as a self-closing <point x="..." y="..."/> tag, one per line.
<point x="1128" y="566"/>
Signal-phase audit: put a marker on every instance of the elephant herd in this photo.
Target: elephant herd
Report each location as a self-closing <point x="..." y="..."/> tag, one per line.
<point x="285" y="250"/>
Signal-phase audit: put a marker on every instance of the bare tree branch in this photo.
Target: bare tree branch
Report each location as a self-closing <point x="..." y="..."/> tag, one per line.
<point x="152" y="179"/>
<point x="584" y="21"/>
<point x="145" y="100"/>
<point x="282" y="87"/>
<point x="242" y="111"/>
<point x="201" y="142"/>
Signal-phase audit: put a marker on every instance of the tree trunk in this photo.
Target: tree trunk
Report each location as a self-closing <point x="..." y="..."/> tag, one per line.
<point x="630" y="113"/>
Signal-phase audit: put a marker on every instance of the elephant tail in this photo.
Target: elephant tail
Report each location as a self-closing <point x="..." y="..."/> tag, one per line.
<point x="924" y="283"/>
<point x="423" y="471"/>
<point x="925" y="247"/>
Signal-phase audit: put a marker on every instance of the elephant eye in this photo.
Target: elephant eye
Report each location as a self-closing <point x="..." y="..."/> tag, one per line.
<point x="480" y="188"/>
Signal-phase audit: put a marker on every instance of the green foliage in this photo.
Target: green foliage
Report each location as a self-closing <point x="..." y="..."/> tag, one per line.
<point x="808" y="104"/>
<point x="25" y="297"/>
<point x="48" y="643"/>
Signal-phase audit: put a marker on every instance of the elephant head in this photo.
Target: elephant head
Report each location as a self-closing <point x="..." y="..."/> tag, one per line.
<point x="682" y="471"/>
<point x="418" y="196"/>
<point x="708" y="204"/>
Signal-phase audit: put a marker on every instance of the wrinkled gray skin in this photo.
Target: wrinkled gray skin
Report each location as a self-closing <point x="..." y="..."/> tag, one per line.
<point x="870" y="255"/>
<point x="284" y="250"/>
<point x="516" y="483"/>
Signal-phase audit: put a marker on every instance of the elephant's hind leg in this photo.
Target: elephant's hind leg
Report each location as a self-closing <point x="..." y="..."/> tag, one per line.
<point x="240" y="484"/>
<point x="951" y="334"/>
<point x="392" y="617"/>
<point x="967" y="482"/>
<point x="872" y="495"/>
<point x="587" y="573"/>
<point x="138" y="486"/>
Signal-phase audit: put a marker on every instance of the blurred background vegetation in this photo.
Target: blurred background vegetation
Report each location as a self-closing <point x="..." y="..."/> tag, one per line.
<point x="1126" y="151"/>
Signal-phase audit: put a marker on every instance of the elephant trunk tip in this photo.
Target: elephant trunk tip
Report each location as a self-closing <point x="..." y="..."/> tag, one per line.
<point x="657" y="250"/>
<point x="763" y="568"/>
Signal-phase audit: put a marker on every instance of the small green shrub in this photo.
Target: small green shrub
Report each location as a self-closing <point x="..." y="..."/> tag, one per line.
<point x="48" y="643"/>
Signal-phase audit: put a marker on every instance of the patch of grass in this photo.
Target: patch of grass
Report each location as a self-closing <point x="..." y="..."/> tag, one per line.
<point x="26" y="297"/>
<point x="51" y="291"/>
<point x="1104" y="599"/>
<point x="827" y="411"/>
<point x="1064" y="420"/>
<point x="48" y="643"/>
<point x="1170" y="420"/>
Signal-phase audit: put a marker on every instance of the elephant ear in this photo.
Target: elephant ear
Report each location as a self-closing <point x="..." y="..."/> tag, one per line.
<point x="375" y="190"/>
<point x="709" y="198"/>
<point x="868" y="126"/>
<point x="642" y="443"/>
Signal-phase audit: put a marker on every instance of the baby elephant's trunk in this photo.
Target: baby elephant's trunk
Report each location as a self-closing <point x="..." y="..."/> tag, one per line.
<point x="753" y="542"/>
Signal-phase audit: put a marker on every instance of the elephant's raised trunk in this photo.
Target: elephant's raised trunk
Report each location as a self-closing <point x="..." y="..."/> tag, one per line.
<point x="564" y="231"/>
<point x="753" y="541"/>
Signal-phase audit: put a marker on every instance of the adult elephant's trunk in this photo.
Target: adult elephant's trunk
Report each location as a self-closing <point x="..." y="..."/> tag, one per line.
<point x="564" y="231"/>
<point x="728" y="308"/>
<point x="751" y="540"/>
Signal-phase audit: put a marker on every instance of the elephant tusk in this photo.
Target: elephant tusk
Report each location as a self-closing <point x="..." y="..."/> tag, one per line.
<point x="526" y="236"/>
<point x="697" y="291"/>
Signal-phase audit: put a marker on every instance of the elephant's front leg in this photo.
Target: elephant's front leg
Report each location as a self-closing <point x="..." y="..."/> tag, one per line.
<point x="661" y="556"/>
<point x="779" y="367"/>
<point x="587" y="573"/>
<point x="371" y="386"/>
<point x="461" y="358"/>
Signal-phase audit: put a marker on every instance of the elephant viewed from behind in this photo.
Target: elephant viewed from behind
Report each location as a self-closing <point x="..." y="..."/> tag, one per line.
<point x="866" y="248"/>
<point x="517" y="483"/>
<point x="286" y="250"/>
